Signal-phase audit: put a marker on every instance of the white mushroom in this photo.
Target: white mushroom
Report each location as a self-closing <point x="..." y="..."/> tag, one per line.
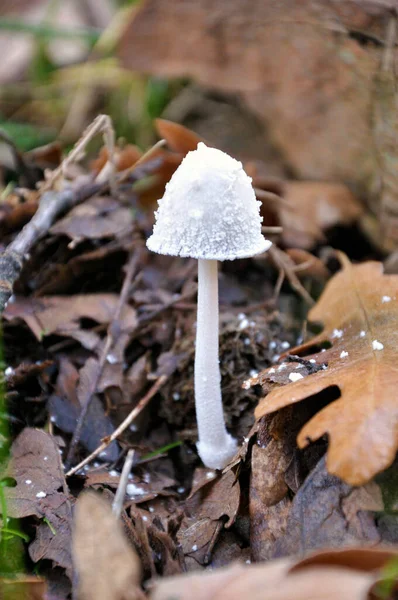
<point x="209" y="212"/>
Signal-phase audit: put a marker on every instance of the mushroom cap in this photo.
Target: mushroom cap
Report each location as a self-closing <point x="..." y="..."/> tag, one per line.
<point x="209" y="210"/>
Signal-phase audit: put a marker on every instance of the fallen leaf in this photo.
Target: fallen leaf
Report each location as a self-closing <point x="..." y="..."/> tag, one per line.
<point x="178" y="138"/>
<point x="212" y="505"/>
<point x="97" y="218"/>
<point x="61" y="314"/>
<point x="305" y="69"/>
<point x="316" y="518"/>
<point x="359" y="311"/>
<point x="73" y="388"/>
<point x="124" y="158"/>
<point x="41" y="491"/>
<point x="339" y="575"/>
<point x="312" y="208"/>
<point x="36" y="466"/>
<point x="106" y="564"/>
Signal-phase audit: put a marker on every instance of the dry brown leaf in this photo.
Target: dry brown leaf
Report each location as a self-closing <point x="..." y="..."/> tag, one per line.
<point x="339" y="575"/>
<point x="178" y="138"/>
<point x="360" y="316"/>
<point x="107" y="566"/>
<point x="305" y="68"/>
<point x="61" y="314"/>
<point x="124" y="158"/>
<point x="41" y="491"/>
<point x="99" y="217"/>
<point x="326" y="513"/>
<point x="313" y="208"/>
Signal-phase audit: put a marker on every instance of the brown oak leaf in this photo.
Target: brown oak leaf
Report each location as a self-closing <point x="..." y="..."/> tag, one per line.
<point x="359" y="311"/>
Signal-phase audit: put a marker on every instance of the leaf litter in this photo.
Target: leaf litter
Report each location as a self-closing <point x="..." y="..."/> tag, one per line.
<point x="274" y="500"/>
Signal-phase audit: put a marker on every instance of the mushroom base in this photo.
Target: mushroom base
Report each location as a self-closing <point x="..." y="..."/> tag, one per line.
<point x="217" y="456"/>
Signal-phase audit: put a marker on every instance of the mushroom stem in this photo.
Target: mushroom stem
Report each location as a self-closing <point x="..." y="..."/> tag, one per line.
<point x="216" y="446"/>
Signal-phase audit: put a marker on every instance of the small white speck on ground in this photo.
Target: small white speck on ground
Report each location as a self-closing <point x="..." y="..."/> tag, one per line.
<point x="111" y="359"/>
<point x="337" y="333"/>
<point x="194" y="548"/>
<point x="285" y="345"/>
<point x="9" y="371"/>
<point x="376" y="345"/>
<point x="41" y="495"/>
<point x="312" y="360"/>
<point x="134" y="490"/>
<point x="386" y="299"/>
<point x="295" y="376"/>
<point x="362" y="333"/>
<point x="28" y="481"/>
<point x="344" y="354"/>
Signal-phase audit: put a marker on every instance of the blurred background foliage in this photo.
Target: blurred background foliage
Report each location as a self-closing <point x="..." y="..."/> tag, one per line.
<point x="59" y="70"/>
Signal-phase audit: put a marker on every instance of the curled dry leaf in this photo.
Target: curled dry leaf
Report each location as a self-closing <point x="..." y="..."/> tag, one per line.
<point x="180" y="139"/>
<point x="359" y="311"/>
<point x="339" y="575"/>
<point x="106" y="565"/>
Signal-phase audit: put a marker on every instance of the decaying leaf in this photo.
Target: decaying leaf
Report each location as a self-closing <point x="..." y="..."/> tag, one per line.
<point x="37" y="469"/>
<point x="317" y="518"/>
<point x="61" y="314"/>
<point x="98" y="218"/>
<point x="72" y="389"/>
<point x="359" y="312"/>
<point x="212" y="504"/>
<point x="107" y="567"/>
<point x="41" y="491"/>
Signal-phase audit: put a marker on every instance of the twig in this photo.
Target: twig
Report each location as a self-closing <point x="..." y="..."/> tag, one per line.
<point x="110" y="339"/>
<point x="123" y="426"/>
<point x="51" y="205"/>
<point x="121" y="489"/>
<point x="101" y="124"/>
<point x="287" y="269"/>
